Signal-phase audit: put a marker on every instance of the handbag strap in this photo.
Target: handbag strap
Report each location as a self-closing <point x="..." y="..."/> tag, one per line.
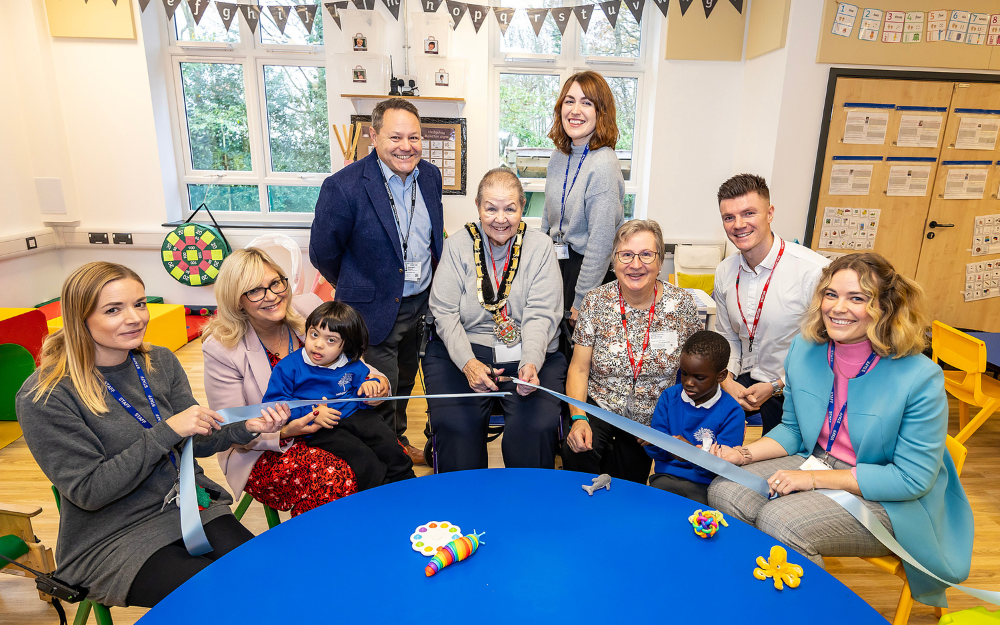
<point x="214" y="223"/>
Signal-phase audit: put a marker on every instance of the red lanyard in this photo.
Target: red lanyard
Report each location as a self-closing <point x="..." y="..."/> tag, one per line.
<point x="499" y="277"/>
<point x="760" y="305"/>
<point x="636" y="370"/>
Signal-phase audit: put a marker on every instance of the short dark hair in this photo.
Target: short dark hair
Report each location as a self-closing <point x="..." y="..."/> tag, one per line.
<point x="344" y="320"/>
<point x="391" y="104"/>
<point x="742" y="184"/>
<point x="711" y="345"/>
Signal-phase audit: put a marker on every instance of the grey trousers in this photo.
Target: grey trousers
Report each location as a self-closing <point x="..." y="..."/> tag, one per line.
<point x="808" y="522"/>
<point x="694" y="491"/>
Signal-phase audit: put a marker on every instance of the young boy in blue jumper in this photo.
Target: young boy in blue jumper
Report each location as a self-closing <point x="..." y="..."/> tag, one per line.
<point x="696" y="411"/>
<point x="329" y="366"/>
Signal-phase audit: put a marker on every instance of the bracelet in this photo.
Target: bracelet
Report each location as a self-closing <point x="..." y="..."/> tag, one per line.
<point x="578" y="417"/>
<point x="747" y="456"/>
<point x="813" y="474"/>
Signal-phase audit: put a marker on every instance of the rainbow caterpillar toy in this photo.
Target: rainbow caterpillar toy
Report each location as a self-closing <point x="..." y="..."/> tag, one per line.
<point x="455" y="551"/>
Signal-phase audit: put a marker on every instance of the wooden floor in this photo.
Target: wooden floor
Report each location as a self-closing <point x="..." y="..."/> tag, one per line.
<point x="24" y="483"/>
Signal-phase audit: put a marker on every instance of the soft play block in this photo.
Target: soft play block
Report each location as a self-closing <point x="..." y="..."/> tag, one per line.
<point x="973" y="616"/>
<point x="166" y="326"/>
<point x="28" y="330"/>
<point x="16" y="365"/>
<point x="195" y="324"/>
<point x="51" y="310"/>
<point x="7" y="313"/>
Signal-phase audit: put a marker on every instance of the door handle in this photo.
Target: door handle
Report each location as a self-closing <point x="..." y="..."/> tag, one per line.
<point x="935" y="224"/>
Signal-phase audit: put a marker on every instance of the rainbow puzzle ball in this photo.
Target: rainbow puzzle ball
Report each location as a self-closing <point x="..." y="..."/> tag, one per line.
<point x="706" y="523"/>
<point x="455" y="551"/>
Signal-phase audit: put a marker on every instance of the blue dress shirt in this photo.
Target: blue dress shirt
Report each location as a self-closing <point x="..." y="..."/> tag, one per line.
<point x="418" y="247"/>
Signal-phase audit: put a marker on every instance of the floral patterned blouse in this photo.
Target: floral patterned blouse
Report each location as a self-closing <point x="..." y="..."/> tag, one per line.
<point x="600" y="326"/>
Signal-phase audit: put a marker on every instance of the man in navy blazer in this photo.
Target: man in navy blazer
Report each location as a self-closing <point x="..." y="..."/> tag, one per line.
<point x="376" y="237"/>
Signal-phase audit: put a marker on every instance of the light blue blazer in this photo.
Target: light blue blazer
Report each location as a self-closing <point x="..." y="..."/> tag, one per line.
<point x="898" y="419"/>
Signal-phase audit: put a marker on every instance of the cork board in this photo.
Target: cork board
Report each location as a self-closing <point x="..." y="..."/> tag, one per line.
<point x="946" y="54"/>
<point x="93" y="20"/>
<point x="693" y="37"/>
<point x="768" y="26"/>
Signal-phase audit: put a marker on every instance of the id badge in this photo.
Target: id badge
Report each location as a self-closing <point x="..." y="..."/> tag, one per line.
<point x="562" y="251"/>
<point x="412" y="272"/>
<point x="813" y="463"/>
<point x="506" y="353"/>
<point x="666" y="339"/>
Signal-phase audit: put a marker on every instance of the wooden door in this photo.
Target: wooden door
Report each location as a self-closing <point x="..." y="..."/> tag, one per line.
<point x="944" y="257"/>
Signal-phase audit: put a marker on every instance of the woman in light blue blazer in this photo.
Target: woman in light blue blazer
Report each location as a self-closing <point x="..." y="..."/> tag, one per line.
<point x="862" y="338"/>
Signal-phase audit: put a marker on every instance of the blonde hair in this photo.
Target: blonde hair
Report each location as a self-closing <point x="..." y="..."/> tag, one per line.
<point x="631" y="228"/>
<point x="242" y="271"/>
<point x="895" y="304"/>
<point x="70" y="350"/>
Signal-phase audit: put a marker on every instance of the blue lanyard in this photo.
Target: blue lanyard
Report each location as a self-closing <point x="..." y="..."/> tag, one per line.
<point x="562" y="210"/>
<point x="131" y="409"/>
<point x="835" y="426"/>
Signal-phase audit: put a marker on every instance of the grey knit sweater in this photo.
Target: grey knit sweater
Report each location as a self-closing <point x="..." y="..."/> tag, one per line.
<point x="113" y="473"/>
<point x="535" y="302"/>
<point x="593" y="210"/>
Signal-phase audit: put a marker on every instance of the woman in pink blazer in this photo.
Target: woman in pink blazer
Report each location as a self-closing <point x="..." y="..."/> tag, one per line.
<point x="254" y="328"/>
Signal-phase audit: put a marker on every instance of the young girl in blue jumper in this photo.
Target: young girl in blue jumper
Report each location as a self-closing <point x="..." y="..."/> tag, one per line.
<point x="329" y="366"/>
<point x="696" y="411"/>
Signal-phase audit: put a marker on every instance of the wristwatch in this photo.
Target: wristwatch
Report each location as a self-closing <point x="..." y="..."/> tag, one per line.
<point x="778" y="389"/>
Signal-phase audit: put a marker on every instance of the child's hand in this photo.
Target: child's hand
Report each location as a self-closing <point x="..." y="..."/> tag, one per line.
<point x="370" y="388"/>
<point x="325" y="416"/>
<point x="300" y="427"/>
<point x="642" y="442"/>
<point x="682" y="439"/>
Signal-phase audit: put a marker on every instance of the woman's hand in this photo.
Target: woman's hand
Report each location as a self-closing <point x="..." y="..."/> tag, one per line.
<point x="300" y="427"/>
<point x="574" y="314"/>
<point x="479" y="374"/>
<point x="195" y="420"/>
<point x="326" y="416"/>
<point x="786" y="482"/>
<point x="270" y="420"/>
<point x="381" y="389"/>
<point x="581" y="437"/>
<point x="756" y="394"/>
<point x="528" y="373"/>
<point x="727" y="453"/>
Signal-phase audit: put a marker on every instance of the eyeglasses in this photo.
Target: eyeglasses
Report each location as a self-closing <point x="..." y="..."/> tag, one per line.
<point x="646" y="258"/>
<point x="277" y="287"/>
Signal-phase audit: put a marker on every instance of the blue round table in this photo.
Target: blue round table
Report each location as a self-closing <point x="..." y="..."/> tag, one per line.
<point x="551" y="554"/>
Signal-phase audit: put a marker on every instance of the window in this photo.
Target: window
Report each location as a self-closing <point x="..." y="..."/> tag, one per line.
<point x="528" y="73"/>
<point x="252" y="112"/>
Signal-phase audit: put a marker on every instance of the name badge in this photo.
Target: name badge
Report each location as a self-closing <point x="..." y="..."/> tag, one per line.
<point x="412" y="272"/>
<point x="562" y="251"/>
<point x="507" y="353"/>
<point x="666" y="339"/>
<point x="813" y="463"/>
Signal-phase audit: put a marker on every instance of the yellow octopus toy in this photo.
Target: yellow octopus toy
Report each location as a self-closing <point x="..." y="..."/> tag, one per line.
<point x="778" y="568"/>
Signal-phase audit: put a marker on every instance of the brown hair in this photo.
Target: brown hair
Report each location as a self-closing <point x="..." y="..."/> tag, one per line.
<point x="398" y="104"/>
<point x="70" y="350"/>
<point x="742" y="184"/>
<point x="595" y="89"/>
<point x="501" y="177"/>
<point x="634" y="227"/>
<point x="895" y="304"/>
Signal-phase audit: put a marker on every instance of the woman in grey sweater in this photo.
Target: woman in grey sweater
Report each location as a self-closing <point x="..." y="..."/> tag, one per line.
<point x="109" y="438"/>
<point x="584" y="188"/>
<point x="497" y="302"/>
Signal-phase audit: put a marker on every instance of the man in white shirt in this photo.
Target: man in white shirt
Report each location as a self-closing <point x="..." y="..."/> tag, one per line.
<point x="761" y="294"/>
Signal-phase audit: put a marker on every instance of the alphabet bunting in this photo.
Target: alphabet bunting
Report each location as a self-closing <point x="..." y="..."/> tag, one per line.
<point x="365" y="5"/>
<point x="610" y="9"/>
<point x="561" y="16"/>
<point x="307" y="14"/>
<point x="635" y="7"/>
<point x="457" y="11"/>
<point x="334" y="8"/>
<point x="662" y="5"/>
<point x="393" y="6"/>
<point x="198" y="9"/>
<point x="709" y="5"/>
<point x="583" y="14"/>
<point x="477" y="13"/>
<point x="537" y="18"/>
<point x="430" y="6"/>
<point x="280" y="15"/>
<point x="142" y="5"/>
<point x="738" y="5"/>
<point x="503" y="18"/>
<point x="685" y="5"/>
<point x="227" y="11"/>
<point x="251" y="13"/>
<point x="170" y="6"/>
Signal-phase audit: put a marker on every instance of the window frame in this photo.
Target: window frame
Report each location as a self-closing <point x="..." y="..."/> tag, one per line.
<point x="253" y="56"/>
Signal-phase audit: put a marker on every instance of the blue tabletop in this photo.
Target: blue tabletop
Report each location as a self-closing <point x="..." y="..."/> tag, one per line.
<point x="551" y="553"/>
<point x="992" y="340"/>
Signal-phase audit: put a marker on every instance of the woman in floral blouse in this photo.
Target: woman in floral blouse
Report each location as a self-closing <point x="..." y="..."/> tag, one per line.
<point x="628" y="344"/>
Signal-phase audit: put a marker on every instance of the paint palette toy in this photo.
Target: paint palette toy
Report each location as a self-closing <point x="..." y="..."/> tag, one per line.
<point x="430" y="537"/>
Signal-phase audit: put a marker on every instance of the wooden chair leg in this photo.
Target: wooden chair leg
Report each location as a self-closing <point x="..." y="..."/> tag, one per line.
<point x="905" y="605"/>
<point x="939" y="612"/>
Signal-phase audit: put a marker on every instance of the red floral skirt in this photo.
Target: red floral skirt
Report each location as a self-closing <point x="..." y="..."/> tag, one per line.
<point x="300" y="479"/>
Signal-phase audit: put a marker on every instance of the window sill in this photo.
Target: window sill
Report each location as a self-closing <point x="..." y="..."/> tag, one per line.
<point x="261" y="225"/>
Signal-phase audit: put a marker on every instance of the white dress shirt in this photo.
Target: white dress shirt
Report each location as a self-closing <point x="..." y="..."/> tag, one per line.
<point x="788" y="298"/>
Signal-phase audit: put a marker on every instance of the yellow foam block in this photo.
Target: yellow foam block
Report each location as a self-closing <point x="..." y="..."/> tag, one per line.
<point x="973" y="616"/>
<point x="7" y="313"/>
<point x="167" y="326"/>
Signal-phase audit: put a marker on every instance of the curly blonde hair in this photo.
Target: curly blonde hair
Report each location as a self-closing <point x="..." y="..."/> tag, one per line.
<point x="895" y="304"/>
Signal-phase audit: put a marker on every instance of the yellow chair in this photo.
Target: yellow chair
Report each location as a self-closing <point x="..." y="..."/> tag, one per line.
<point x="893" y="565"/>
<point x="969" y="384"/>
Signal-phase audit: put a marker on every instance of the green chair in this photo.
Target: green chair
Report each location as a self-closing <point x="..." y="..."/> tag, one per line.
<point x="101" y="611"/>
<point x="269" y="513"/>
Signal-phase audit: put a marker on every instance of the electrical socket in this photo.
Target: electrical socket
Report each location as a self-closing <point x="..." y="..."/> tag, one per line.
<point x="31" y="243"/>
<point x="122" y="238"/>
<point x="99" y="238"/>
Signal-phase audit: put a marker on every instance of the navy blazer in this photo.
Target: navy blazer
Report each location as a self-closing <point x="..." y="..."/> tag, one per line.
<point x="355" y="243"/>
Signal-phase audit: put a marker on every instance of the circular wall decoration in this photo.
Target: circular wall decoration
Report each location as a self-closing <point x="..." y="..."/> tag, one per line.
<point x="193" y="253"/>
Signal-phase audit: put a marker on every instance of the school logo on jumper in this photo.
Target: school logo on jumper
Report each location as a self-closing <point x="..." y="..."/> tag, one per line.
<point x="345" y="382"/>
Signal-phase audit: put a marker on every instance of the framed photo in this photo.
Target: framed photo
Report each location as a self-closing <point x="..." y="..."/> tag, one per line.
<point x="359" y="74"/>
<point x="431" y="45"/>
<point x="360" y="44"/>
<point x="443" y="143"/>
<point x="441" y="78"/>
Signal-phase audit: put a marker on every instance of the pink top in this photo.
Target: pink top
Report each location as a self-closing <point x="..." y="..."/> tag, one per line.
<point x="848" y="360"/>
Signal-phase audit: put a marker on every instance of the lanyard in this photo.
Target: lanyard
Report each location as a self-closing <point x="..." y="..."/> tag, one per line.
<point x="636" y="370"/>
<point x="835" y="426"/>
<point x="291" y="346"/>
<point x="562" y="210"/>
<point x="499" y="277"/>
<point x="760" y="305"/>
<point x="131" y="409"/>
<point x="395" y="215"/>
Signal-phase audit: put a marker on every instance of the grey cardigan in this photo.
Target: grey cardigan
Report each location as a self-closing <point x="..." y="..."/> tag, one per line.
<point x="535" y="302"/>
<point x="113" y="473"/>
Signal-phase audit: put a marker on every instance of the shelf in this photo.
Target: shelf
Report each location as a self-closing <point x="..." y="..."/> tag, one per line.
<point x="354" y="96"/>
<point x="433" y="106"/>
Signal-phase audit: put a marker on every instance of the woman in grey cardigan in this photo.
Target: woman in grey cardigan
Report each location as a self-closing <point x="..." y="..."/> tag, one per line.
<point x="105" y="416"/>
<point x="497" y="302"/>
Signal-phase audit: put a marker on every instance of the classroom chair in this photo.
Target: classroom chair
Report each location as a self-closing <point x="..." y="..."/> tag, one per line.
<point x="893" y="565"/>
<point x="969" y="384"/>
<point x="101" y="612"/>
<point x="694" y="266"/>
<point x="269" y="513"/>
<point x="18" y="542"/>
